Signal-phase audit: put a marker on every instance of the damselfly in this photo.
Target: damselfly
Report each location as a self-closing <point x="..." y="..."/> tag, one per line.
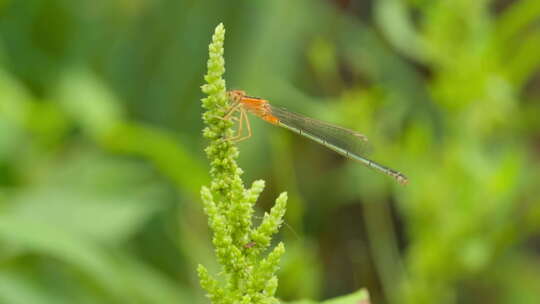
<point x="343" y="141"/>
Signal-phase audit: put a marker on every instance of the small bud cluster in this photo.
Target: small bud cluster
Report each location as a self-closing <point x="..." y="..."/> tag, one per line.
<point x="248" y="274"/>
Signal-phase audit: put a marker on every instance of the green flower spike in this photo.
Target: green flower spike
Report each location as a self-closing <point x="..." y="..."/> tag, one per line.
<point x="248" y="276"/>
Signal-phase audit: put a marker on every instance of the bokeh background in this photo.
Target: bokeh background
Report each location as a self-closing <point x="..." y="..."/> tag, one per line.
<point x="101" y="152"/>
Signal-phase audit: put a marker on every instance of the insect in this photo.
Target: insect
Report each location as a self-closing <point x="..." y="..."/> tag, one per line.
<point x="249" y="245"/>
<point x="341" y="140"/>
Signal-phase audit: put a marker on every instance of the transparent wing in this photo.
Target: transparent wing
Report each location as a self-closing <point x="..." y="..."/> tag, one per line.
<point x="348" y="140"/>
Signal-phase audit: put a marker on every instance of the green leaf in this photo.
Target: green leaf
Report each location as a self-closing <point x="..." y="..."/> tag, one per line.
<point x="41" y="238"/>
<point x="359" y="297"/>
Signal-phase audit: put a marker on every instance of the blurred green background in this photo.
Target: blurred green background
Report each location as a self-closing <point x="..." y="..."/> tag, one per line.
<point x="101" y="153"/>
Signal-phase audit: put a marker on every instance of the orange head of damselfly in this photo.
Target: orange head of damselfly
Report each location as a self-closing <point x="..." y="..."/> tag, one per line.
<point x="236" y="95"/>
<point x="257" y="106"/>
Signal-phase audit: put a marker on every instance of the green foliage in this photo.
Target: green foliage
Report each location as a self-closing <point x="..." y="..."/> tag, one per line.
<point x="249" y="276"/>
<point x="101" y="158"/>
<point x="359" y="297"/>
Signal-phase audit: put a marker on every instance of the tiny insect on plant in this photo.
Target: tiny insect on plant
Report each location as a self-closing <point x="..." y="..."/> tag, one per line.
<point x="341" y="140"/>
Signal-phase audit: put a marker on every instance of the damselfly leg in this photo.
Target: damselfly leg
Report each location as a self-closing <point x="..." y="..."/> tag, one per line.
<point x="242" y="119"/>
